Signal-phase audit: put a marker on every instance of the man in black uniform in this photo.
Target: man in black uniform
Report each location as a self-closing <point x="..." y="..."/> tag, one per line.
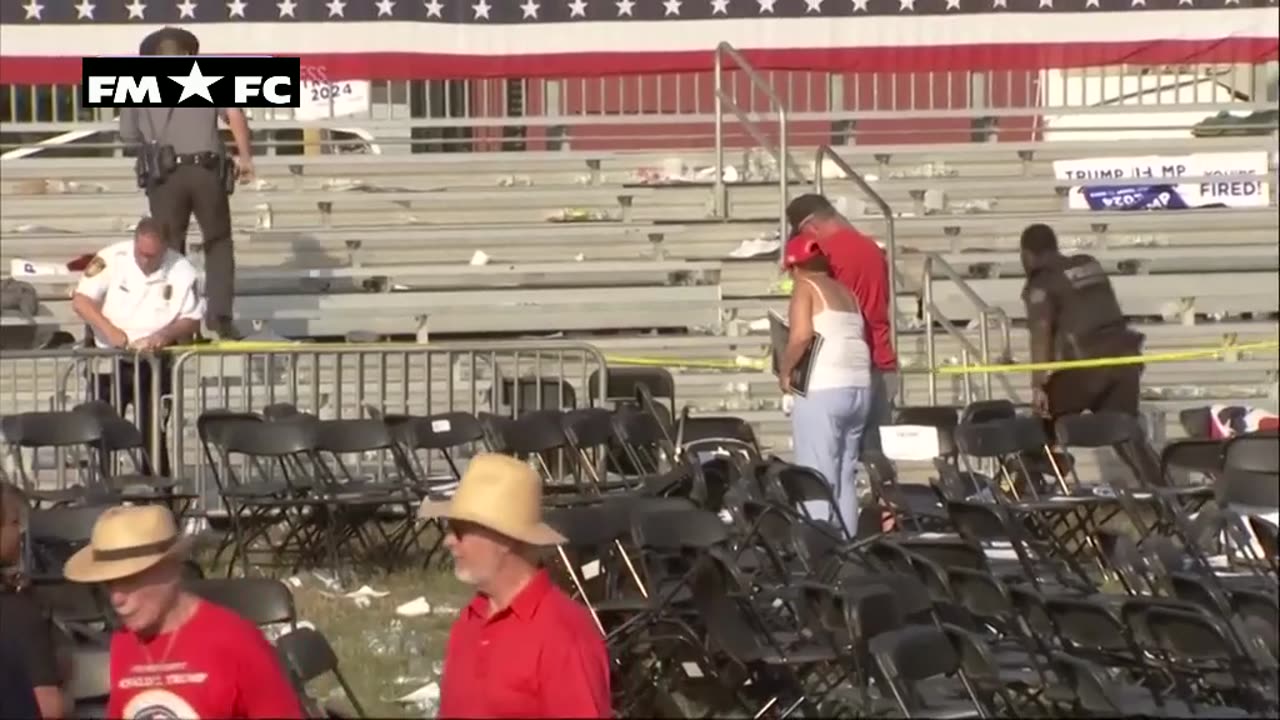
<point x="184" y="168"/>
<point x="1073" y="314"/>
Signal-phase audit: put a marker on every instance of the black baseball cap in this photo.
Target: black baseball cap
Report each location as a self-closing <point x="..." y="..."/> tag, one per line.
<point x="184" y="39"/>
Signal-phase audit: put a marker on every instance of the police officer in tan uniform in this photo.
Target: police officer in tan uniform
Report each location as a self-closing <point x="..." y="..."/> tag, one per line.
<point x="139" y="295"/>
<point x="184" y="168"/>
<point x="1073" y="314"/>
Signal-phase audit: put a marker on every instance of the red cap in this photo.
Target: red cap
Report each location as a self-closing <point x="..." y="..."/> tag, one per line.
<point x="800" y="249"/>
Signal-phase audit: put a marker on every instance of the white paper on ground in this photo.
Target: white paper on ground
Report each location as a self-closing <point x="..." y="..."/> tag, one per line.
<point x="414" y="608"/>
<point x="325" y="580"/>
<point x="909" y="442"/>
<point x="427" y="693"/>
<point x="366" y="592"/>
<point x="591" y="570"/>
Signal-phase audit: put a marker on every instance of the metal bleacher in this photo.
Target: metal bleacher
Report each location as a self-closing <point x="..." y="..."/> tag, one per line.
<point x="543" y="242"/>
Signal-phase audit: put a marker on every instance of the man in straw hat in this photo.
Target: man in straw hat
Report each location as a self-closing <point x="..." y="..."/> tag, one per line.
<point x="177" y="656"/>
<point x="521" y="647"/>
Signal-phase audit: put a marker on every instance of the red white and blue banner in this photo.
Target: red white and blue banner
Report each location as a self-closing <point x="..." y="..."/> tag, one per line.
<point x="1159" y="185"/>
<point x="41" y="41"/>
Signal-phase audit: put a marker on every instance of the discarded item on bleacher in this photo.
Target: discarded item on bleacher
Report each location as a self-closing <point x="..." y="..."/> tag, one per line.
<point x="19" y="267"/>
<point x="755" y="247"/>
<point x="478" y="258"/>
<point x="568" y="215"/>
<point x="515" y="181"/>
<point x="56" y="187"/>
<point x="33" y="229"/>
<point x="909" y="442"/>
<point x="925" y="170"/>
<point x="342" y="184"/>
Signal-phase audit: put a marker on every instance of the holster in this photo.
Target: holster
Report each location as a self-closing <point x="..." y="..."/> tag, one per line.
<point x="155" y="163"/>
<point x="228" y="174"/>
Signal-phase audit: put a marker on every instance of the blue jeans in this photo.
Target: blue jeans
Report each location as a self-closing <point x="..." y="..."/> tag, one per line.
<point x="826" y="433"/>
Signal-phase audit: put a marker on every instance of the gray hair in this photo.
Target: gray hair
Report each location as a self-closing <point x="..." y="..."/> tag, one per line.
<point x="151" y="226"/>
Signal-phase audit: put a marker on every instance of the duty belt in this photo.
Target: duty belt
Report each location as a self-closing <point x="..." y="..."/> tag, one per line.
<point x="201" y="159"/>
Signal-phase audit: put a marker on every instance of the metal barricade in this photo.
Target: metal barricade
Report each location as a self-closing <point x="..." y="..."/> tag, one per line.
<point x="60" y="380"/>
<point x="336" y="382"/>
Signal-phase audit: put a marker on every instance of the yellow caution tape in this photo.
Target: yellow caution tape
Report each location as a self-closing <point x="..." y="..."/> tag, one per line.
<point x="758" y="364"/>
<point x="1177" y="356"/>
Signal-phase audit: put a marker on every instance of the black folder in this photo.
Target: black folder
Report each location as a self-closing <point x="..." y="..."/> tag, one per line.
<point x="779" y="333"/>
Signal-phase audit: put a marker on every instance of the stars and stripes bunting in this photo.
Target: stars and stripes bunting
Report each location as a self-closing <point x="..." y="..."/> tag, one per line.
<point x="41" y="41"/>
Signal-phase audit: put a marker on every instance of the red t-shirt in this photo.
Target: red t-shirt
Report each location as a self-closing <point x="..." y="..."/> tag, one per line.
<point x="219" y="666"/>
<point x="540" y="657"/>
<point x="860" y="265"/>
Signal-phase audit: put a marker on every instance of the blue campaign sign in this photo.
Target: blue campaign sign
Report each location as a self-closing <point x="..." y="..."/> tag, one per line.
<point x="1134" y="197"/>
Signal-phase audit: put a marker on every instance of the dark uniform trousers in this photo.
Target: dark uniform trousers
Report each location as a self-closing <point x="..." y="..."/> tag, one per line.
<point x="1114" y="389"/>
<point x="195" y="186"/>
<point x="136" y="378"/>
<point x="1075" y="295"/>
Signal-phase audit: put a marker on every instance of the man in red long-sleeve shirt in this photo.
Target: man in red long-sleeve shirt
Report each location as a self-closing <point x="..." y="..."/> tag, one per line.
<point x="859" y="264"/>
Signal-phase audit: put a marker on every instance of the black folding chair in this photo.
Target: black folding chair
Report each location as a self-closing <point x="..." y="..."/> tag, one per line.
<point x="909" y="656"/>
<point x="538" y="436"/>
<point x="308" y="656"/>
<point x="76" y="439"/>
<point x="530" y="394"/>
<point x="590" y="436"/>
<point x="262" y="601"/>
<point x="369" y="474"/>
<point x="624" y="382"/>
<point x="453" y="435"/>
<point x="122" y="441"/>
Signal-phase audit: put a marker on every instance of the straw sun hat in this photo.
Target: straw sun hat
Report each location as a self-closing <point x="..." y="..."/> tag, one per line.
<point x="500" y="493"/>
<point x="125" y="541"/>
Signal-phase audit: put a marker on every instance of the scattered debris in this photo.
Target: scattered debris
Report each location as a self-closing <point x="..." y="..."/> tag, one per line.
<point x="925" y="170"/>
<point x="31" y="229"/>
<point x="56" y="187"/>
<point x="342" y="184"/>
<point x="479" y="258"/>
<point x="972" y="207"/>
<point x="414" y="608"/>
<point x="366" y="592"/>
<point x="568" y="215"/>
<point x="756" y="247"/>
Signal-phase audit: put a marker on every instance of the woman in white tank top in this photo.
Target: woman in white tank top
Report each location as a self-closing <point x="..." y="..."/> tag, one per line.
<point x="827" y="423"/>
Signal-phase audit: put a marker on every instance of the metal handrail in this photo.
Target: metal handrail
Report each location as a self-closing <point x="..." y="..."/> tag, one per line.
<point x="821" y="155"/>
<point x="780" y="155"/>
<point x="986" y="312"/>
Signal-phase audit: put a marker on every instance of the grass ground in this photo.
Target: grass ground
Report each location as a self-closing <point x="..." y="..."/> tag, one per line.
<point x="383" y="656"/>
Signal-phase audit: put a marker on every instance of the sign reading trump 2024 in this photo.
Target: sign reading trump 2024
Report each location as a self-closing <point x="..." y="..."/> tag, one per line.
<point x="1157" y="183"/>
<point x="186" y="81"/>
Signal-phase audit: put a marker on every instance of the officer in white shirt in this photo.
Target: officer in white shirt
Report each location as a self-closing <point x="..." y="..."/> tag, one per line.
<point x="139" y="295"/>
